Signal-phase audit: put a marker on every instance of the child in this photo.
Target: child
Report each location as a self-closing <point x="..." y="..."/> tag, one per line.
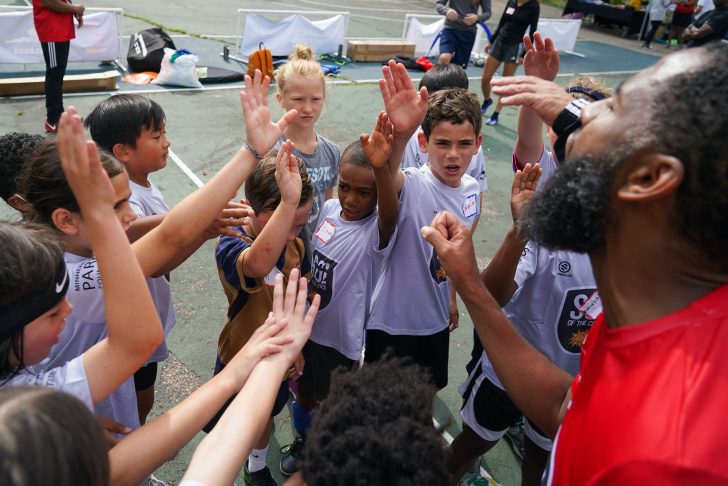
<point x="350" y="244"/>
<point x="158" y="252"/>
<point x="15" y="151"/>
<point x="281" y="194"/>
<point x="302" y="87"/>
<point x="411" y="312"/>
<point x="461" y="24"/>
<point x="132" y="128"/>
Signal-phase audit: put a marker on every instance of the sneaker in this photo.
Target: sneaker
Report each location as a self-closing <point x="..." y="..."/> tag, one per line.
<point x="49" y="128"/>
<point x="514" y="436"/>
<point x="647" y="46"/>
<point x="486" y="104"/>
<point x="258" y="478"/>
<point x="290" y="455"/>
<point x="492" y="120"/>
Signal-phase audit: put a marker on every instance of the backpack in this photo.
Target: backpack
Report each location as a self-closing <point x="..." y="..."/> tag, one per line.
<point x="146" y="50"/>
<point x="262" y="60"/>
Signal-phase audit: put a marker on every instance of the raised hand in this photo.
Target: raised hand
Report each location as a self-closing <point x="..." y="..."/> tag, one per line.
<point x="235" y="214"/>
<point x="260" y="131"/>
<point x="524" y="188"/>
<point x="542" y="58"/>
<point x="405" y="105"/>
<point x="288" y="177"/>
<point x="546" y="98"/>
<point x="80" y="161"/>
<point x="291" y="308"/>
<point x="378" y="146"/>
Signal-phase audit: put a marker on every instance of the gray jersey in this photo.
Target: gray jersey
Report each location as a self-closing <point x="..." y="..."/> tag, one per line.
<point x="464" y="7"/>
<point x="70" y="377"/>
<point x="415" y="157"/>
<point x="346" y="264"/>
<point x="323" y="169"/>
<point x="414" y="298"/>
<point x="148" y="201"/>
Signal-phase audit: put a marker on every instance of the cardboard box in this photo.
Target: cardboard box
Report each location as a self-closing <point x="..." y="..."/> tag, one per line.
<point x="71" y="83"/>
<point x="379" y="50"/>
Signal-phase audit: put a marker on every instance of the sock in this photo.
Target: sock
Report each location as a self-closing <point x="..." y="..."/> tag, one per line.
<point x="494" y="115"/>
<point x="257" y="459"/>
<point x="301" y="418"/>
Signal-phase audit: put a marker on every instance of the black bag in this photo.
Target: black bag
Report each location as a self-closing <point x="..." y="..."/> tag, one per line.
<point x="146" y="50"/>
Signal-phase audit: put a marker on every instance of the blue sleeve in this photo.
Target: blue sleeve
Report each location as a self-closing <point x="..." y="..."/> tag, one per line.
<point x="227" y="253"/>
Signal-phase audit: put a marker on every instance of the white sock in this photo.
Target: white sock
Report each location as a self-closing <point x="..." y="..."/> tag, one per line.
<point x="257" y="459"/>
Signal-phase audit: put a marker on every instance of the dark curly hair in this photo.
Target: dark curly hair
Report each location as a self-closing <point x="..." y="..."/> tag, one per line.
<point x="15" y="151"/>
<point x="375" y="428"/>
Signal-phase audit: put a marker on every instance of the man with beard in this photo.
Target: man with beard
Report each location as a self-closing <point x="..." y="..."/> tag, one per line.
<point x="651" y="210"/>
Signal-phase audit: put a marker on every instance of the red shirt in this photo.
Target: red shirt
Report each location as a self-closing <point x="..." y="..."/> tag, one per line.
<point x="685" y="7"/>
<point x="650" y="399"/>
<point x="52" y="26"/>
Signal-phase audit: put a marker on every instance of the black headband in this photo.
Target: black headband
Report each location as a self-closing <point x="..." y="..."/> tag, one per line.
<point x="593" y="94"/>
<point x="15" y="316"/>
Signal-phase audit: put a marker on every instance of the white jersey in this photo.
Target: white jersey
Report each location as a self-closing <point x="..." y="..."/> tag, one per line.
<point x="70" y="378"/>
<point x="556" y="300"/>
<point x="415" y="157"/>
<point x="346" y="265"/>
<point x="148" y="201"/>
<point x="415" y="294"/>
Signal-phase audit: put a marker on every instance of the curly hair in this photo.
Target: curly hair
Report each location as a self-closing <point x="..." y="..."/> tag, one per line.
<point x="375" y="428"/>
<point x="15" y="151"/>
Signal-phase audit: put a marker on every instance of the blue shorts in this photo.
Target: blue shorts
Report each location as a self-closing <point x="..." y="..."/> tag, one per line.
<point x="459" y="43"/>
<point x="280" y="402"/>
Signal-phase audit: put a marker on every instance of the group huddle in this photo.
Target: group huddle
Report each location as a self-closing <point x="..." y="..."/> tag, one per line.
<point x="343" y="304"/>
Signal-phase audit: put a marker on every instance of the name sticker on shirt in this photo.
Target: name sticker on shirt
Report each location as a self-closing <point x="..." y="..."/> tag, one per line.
<point x="326" y="231"/>
<point x="470" y="206"/>
<point x="510" y="10"/>
<point x="592" y="307"/>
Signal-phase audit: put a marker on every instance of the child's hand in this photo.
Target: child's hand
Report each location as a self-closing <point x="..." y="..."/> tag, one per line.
<point x="541" y="59"/>
<point x="81" y="164"/>
<point x="378" y="146"/>
<point x="524" y="187"/>
<point x="296" y="369"/>
<point x="235" y="214"/>
<point x="265" y="341"/>
<point x="260" y="131"/>
<point x="292" y="308"/>
<point x="110" y="428"/>
<point x="405" y="105"/>
<point x="287" y="175"/>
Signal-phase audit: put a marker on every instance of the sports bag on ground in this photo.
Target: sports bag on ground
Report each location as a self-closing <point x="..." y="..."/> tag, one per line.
<point x="146" y="50"/>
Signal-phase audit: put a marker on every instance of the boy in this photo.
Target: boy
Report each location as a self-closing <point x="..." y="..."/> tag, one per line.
<point x="15" y="151"/>
<point x="461" y="24"/>
<point x="132" y="128"/>
<point x="411" y="312"/>
<point x="353" y="238"/>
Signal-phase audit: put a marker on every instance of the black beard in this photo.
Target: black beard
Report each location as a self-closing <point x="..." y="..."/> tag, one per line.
<point x="571" y="211"/>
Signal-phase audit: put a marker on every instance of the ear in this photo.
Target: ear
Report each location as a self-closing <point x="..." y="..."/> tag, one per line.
<point x="422" y="141"/>
<point x="279" y="98"/>
<point x="66" y="221"/>
<point x="655" y="176"/>
<point x="478" y="143"/>
<point x="122" y="152"/>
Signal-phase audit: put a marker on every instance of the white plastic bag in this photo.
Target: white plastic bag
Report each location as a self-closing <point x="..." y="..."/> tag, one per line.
<point x="180" y="71"/>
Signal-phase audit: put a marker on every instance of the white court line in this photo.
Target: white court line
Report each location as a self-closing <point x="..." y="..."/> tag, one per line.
<point x="188" y="172"/>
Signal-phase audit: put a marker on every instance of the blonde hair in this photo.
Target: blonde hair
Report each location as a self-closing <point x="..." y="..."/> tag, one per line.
<point x="591" y="85"/>
<point x="300" y="63"/>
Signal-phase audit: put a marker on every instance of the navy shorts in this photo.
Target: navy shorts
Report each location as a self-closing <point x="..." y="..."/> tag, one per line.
<point x="278" y="405"/>
<point x="459" y="43"/>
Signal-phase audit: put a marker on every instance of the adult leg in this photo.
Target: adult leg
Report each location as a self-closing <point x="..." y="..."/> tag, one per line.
<point x="509" y="69"/>
<point x="56" y="59"/>
<point x="447" y="46"/>
<point x="654" y="25"/>
<point x="464" y="450"/>
<point x="489" y="69"/>
<point x="534" y="463"/>
<point x="445" y="58"/>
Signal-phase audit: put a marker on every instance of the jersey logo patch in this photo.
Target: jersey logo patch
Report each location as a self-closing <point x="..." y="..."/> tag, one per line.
<point x="315" y="209"/>
<point x="326" y="231"/>
<point x="573" y="323"/>
<point x="270" y="279"/>
<point x="322" y="277"/>
<point x="436" y="269"/>
<point x="470" y="206"/>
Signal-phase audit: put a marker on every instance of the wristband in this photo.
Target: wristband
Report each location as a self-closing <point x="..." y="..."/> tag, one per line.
<point x="252" y="150"/>
<point x="565" y="124"/>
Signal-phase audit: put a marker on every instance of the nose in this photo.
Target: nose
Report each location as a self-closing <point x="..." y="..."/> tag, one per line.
<point x="129" y="215"/>
<point x="167" y="142"/>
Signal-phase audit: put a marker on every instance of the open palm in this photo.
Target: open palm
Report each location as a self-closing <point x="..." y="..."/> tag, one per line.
<point x="524" y="188"/>
<point x="542" y="58"/>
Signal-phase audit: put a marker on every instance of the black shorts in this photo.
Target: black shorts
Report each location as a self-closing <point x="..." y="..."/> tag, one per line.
<point x="680" y="19"/>
<point x="145" y="377"/>
<point x="431" y="352"/>
<point x="321" y="361"/>
<point x="489" y="411"/>
<point x="505" y="52"/>
<point x="278" y="405"/>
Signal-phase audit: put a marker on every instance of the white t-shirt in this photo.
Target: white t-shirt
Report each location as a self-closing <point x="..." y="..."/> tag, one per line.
<point x="148" y="201"/>
<point x="346" y="264"/>
<point x="415" y="294"/>
<point x="707" y="5"/>
<point x="70" y="377"/>
<point x="414" y="157"/>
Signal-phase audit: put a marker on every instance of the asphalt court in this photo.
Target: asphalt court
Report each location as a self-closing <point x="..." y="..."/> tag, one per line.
<point x="206" y="128"/>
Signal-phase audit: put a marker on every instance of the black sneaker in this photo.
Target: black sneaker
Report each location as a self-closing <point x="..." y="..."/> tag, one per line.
<point x="486" y="104"/>
<point x="291" y="454"/>
<point x="258" y="478"/>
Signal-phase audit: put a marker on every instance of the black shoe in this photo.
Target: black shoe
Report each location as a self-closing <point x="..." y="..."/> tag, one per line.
<point x="258" y="478"/>
<point x="291" y="455"/>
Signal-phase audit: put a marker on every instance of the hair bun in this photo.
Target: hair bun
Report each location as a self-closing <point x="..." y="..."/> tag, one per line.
<point x="302" y="52"/>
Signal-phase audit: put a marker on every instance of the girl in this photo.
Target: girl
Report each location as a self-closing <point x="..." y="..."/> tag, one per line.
<point x="281" y="194"/>
<point x="518" y="16"/>
<point x="302" y="87"/>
